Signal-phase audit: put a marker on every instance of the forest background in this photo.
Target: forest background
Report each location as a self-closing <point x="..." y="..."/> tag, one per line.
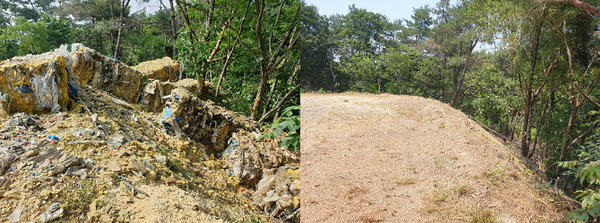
<point x="249" y="50"/>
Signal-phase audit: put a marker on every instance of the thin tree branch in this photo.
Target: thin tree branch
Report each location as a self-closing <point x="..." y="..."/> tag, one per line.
<point x="279" y="103"/>
<point x="587" y="98"/>
<point x="576" y="3"/>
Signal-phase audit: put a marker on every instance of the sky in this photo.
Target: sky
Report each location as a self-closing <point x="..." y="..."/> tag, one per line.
<point x="392" y="9"/>
<point x="150" y="7"/>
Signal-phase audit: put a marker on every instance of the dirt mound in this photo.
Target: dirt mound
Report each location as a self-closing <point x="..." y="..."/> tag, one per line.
<point x="387" y="158"/>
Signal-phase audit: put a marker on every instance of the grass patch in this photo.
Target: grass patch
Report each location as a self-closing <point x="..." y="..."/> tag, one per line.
<point x="462" y="190"/>
<point x="496" y="174"/>
<point x="79" y="196"/>
<point x="482" y="217"/>
<point x="431" y="209"/>
<point x="439" y="195"/>
<point x="406" y="181"/>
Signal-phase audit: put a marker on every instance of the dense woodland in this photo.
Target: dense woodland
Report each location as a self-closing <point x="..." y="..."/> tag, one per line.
<point x="249" y="50"/>
<point x="529" y="70"/>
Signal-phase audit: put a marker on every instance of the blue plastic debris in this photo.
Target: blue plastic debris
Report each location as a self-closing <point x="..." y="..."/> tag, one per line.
<point x="234" y="142"/>
<point x="53" y="137"/>
<point x="25" y="89"/>
<point x="167" y="113"/>
<point x="72" y="90"/>
<point x="178" y="119"/>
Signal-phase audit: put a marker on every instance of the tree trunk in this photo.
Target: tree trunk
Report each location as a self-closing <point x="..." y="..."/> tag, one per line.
<point x="464" y="71"/>
<point x="539" y="124"/>
<point x="577" y="3"/>
<point x="224" y="70"/>
<point x="268" y="103"/>
<point x="124" y="5"/>
<point x="260" y="94"/>
<point x="529" y="101"/>
<point x="165" y="46"/>
<point x="268" y="63"/>
<point x="505" y="129"/>
<point x="399" y="84"/>
<point x="569" y="129"/>
<point x="174" y="29"/>
<point x="514" y="126"/>
<point x="229" y="54"/>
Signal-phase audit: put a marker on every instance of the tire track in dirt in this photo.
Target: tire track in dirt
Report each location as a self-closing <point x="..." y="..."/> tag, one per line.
<point x="387" y="158"/>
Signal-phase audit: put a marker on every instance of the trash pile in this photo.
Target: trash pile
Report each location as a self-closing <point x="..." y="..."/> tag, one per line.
<point x="36" y="84"/>
<point x="274" y="170"/>
<point x="155" y="91"/>
<point x="93" y="155"/>
<point x="164" y="69"/>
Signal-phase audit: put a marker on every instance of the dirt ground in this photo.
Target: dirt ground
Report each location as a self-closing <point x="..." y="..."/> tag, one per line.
<point x="388" y="158"/>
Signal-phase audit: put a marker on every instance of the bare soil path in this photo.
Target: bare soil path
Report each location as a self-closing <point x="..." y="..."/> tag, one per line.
<point x="388" y="158"/>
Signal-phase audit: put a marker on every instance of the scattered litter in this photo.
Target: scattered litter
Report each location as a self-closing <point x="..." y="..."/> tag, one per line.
<point x="52" y="213"/>
<point x="16" y="214"/>
<point x="25" y="89"/>
<point x="112" y="166"/>
<point x="6" y="159"/>
<point x="161" y="159"/>
<point x="53" y="138"/>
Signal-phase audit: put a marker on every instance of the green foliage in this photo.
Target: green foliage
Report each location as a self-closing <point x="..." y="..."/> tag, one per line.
<point x="587" y="169"/>
<point x="257" y="220"/>
<point x="289" y="123"/>
<point x="420" y="26"/>
<point x="496" y="174"/>
<point x="8" y="46"/>
<point x="58" y="29"/>
<point x="259" y="36"/>
<point x="32" y="37"/>
<point x="79" y="197"/>
<point x="482" y="217"/>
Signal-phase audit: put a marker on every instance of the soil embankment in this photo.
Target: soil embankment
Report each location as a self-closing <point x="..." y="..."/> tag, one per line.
<point x="388" y="158"/>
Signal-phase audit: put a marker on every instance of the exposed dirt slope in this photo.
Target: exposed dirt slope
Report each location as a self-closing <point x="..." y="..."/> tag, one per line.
<point x="387" y="158"/>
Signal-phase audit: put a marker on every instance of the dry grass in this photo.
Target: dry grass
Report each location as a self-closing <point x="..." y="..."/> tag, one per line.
<point x="483" y="216"/>
<point x="406" y="181"/>
<point x="418" y="157"/>
<point x="439" y="195"/>
<point x="462" y="189"/>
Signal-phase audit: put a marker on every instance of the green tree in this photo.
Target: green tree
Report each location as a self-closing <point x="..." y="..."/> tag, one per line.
<point x="316" y="51"/>
<point x="32" y="37"/>
<point x="420" y="26"/>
